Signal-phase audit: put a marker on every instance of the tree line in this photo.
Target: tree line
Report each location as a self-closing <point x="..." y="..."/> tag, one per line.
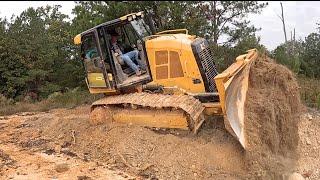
<point x="301" y="56"/>
<point x="38" y="56"/>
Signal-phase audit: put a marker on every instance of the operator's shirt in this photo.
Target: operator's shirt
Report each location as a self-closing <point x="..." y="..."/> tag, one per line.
<point x="91" y="53"/>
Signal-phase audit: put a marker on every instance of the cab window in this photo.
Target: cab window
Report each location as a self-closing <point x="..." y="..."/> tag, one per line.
<point x="90" y="54"/>
<point x="141" y="27"/>
<point x="132" y="36"/>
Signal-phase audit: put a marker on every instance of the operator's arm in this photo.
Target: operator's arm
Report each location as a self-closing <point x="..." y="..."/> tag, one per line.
<point x="116" y="49"/>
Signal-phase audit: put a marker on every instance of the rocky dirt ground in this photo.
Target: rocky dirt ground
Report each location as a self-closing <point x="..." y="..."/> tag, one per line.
<point x="61" y="144"/>
<point x="25" y="153"/>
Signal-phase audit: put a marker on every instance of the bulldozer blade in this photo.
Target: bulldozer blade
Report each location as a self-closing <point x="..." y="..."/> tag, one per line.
<point x="232" y="86"/>
<point x="235" y="102"/>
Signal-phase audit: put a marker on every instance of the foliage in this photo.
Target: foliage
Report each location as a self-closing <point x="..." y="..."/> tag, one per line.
<point x="310" y="91"/>
<point x="229" y="17"/>
<point x="225" y="55"/>
<point x="40" y="63"/>
<point x="311" y="55"/>
<point x="35" y="53"/>
<point x="302" y="57"/>
<point x="289" y="54"/>
<point x="210" y="19"/>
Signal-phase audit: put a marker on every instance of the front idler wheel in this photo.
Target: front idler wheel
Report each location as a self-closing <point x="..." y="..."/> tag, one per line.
<point x="100" y="115"/>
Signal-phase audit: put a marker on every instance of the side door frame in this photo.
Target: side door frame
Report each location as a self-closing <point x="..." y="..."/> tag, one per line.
<point x="94" y="32"/>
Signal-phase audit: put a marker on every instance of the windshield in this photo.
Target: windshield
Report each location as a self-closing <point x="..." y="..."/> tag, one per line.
<point x="140" y="26"/>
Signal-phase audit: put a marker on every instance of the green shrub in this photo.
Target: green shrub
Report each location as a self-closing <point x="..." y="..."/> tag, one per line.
<point x="4" y="101"/>
<point x="310" y="91"/>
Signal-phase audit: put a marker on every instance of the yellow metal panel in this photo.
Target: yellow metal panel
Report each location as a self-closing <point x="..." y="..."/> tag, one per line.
<point x="162" y="72"/>
<point x="224" y="79"/>
<point x="161" y="57"/>
<point x="212" y="109"/>
<point x="77" y="39"/>
<point x="132" y="14"/>
<point x="103" y="90"/>
<point x="181" y="44"/>
<point x="222" y="92"/>
<point x="123" y="17"/>
<point x="175" y="65"/>
<point x="96" y="80"/>
<point x="173" y="30"/>
<point x="152" y="118"/>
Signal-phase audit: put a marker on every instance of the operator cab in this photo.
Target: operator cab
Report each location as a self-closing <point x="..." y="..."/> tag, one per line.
<point x="106" y="70"/>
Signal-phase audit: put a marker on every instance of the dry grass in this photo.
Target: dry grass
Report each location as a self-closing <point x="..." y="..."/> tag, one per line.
<point x="69" y="99"/>
<point x="310" y="91"/>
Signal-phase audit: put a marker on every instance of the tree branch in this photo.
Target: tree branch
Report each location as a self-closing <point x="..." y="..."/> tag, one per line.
<point x="227" y="20"/>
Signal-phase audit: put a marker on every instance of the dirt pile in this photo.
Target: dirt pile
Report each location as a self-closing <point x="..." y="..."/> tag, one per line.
<point x="145" y="152"/>
<point x="272" y="116"/>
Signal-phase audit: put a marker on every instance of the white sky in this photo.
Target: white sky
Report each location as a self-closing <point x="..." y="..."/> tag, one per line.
<point x="301" y="15"/>
<point x="7" y="8"/>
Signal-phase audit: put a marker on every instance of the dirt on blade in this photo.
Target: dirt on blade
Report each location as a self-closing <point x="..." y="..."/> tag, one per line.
<point x="272" y="113"/>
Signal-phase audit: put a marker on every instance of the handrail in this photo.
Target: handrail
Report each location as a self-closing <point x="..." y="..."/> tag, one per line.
<point x="173" y="30"/>
<point x="156" y="35"/>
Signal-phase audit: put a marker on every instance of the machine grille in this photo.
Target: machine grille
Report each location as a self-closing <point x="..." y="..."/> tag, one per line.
<point x="206" y="63"/>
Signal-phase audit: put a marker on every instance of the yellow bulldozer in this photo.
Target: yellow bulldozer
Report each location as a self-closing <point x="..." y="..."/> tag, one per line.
<point x="179" y="86"/>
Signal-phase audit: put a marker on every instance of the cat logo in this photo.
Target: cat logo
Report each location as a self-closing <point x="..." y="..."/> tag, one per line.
<point x="99" y="78"/>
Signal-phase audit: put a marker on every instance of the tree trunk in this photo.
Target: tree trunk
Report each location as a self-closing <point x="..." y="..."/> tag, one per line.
<point x="215" y="23"/>
<point x="283" y="23"/>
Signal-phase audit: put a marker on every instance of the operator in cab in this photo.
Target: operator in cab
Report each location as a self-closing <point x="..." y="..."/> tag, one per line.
<point x="130" y="58"/>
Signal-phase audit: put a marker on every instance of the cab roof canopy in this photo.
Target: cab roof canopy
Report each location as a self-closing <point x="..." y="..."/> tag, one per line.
<point x="128" y="17"/>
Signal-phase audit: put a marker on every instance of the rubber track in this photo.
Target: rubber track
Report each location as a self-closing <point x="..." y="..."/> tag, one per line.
<point x="190" y="105"/>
